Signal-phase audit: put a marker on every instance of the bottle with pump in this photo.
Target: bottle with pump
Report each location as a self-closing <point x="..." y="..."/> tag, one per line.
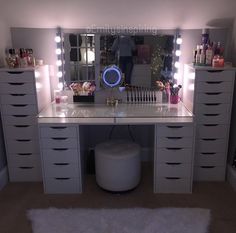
<point x="198" y="55"/>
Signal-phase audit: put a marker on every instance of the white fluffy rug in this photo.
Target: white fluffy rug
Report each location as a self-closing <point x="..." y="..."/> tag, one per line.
<point x="135" y="220"/>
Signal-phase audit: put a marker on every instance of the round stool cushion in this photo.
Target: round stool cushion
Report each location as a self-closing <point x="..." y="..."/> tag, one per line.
<point x="118" y="165"/>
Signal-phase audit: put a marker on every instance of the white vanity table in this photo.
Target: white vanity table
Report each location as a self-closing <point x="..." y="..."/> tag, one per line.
<point x="63" y="146"/>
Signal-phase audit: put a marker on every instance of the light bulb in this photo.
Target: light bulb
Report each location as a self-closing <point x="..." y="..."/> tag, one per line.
<point x="59" y="74"/>
<point x="177" y="64"/>
<point x="176" y="76"/>
<point x="60" y="85"/>
<point x="58" y="51"/>
<point x="57" y="39"/>
<point x="58" y="62"/>
<point x="36" y="74"/>
<point x="179" y="40"/>
<point x="177" y="53"/>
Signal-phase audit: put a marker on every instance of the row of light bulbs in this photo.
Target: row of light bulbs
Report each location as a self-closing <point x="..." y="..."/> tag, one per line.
<point x="59" y="63"/>
<point x="178" y="42"/>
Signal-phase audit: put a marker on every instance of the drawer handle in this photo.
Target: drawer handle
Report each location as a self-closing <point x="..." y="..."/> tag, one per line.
<point x="25" y="154"/>
<point x="214" y="71"/>
<point x="207" y="166"/>
<point x="209" y="139"/>
<point x="16" y="84"/>
<point x="61" y="164"/>
<point x="17" y="94"/>
<point x="26" y="167"/>
<point x="62" y="178"/>
<point x="19" y="105"/>
<point x="213" y="93"/>
<point x="173" y="178"/>
<point x="21" y="126"/>
<point x="174" y="137"/>
<point x="211" y="114"/>
<point x="214" y="82"/>
<point x="60" y="149"/>
<point x="210" y="125"/>
<point x="174" y="127"/>
<point x="173" y="163"/>
<point x="58" y="127"/>
<point x="175" y="148"/>
<point x="213" y="104"/>
<point x="23" y="140"/>
<point x="59" y="138"/>
<point x="208" y="153"/>
<point x="20" y="115"/>
<point x="15" y="72"/>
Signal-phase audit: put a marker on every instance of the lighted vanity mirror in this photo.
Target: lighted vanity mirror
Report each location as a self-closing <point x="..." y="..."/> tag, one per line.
<point x="86" y="56"/>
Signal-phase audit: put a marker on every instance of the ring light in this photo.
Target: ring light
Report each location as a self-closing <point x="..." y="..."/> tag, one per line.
<point x="112" y="76"/>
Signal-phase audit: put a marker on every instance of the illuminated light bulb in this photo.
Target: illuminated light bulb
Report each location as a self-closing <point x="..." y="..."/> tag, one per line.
<point x="58" y="62"/>
<point x="177" y="64"/>
<point x="179" y="40"/>
<point x="177" y="53"/>
<point x="57" y="39"/>
<point x="59" y="74"/>
<point x="60" y="86"/>
<point x="37" y="74"/>
<point x="38" y="85"/>
<point x="176" y="76"/>
<point x="58" y="51"/>
<point x="91" y="56"/>
<point x="191" y="87"/>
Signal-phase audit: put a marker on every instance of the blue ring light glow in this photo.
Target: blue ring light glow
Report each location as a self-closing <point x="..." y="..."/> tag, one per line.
<point x="109" y="69"/>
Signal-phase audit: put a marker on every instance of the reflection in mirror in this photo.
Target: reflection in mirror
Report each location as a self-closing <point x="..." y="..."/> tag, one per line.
<point x="142" y="59"/>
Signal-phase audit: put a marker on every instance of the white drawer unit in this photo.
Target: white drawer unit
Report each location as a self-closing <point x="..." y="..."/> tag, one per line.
<point x="21" y="101"/>
<point x="173" y="158"/>
<point x="212" y="103"/>
<point x="60" y="156"/>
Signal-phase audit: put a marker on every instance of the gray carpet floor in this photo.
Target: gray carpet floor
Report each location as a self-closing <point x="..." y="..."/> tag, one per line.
<point x="17" y="198"/>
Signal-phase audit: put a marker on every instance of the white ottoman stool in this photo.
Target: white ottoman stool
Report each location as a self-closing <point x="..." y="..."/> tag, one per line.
<point x="118" y="165"/>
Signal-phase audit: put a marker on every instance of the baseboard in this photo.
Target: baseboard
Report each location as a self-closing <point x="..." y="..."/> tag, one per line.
<point x="231" y="176"/>
<point x="3" y="177"/>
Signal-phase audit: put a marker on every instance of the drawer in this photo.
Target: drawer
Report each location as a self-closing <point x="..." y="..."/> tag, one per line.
<point x="58" y="131"/>
<point x="211" y="145"/>
<point x="209" y="173"/>
<point x="14" y="146"/>
<point x="173" y="185"/>
<point x="60" y="155"/>
<point x="21" y="131"/>
<point x="25" y="173"/>
<point x="17" y="76"/>
<point x="174" y="131"/>
<point x="215" y="75"/>
<point x="173" y="142"/>
<point x="61" y="169"/>
<point x="18" y="99"/>
<point x="17" y="88"/>
<point x="19" y="109"/>
<point x="173" y="170"/>
<point x="24" y="159"/>
<point x="172" y="155"/>
<point x="213" y="86"/>
<point x="210" y="159"/>
<point x="20" y="120"/>
<point x="208" y="97"/>
<point x="213" y="118"/>
<point x="59" y="142"/>
<point x="212" y="131"/>
<point x="62" y="185"/>
<point x="213" y="108"/>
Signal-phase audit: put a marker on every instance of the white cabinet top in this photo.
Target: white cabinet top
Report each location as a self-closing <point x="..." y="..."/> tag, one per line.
<point x="210" y="67"/>
<point x="120" y="114"/>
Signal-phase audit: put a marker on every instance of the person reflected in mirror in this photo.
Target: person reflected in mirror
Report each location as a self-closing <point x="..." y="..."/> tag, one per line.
<point x="123" y="46"/>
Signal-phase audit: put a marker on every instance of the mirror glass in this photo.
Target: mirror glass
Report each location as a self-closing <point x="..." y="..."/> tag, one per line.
<point x="143" y="59"/>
